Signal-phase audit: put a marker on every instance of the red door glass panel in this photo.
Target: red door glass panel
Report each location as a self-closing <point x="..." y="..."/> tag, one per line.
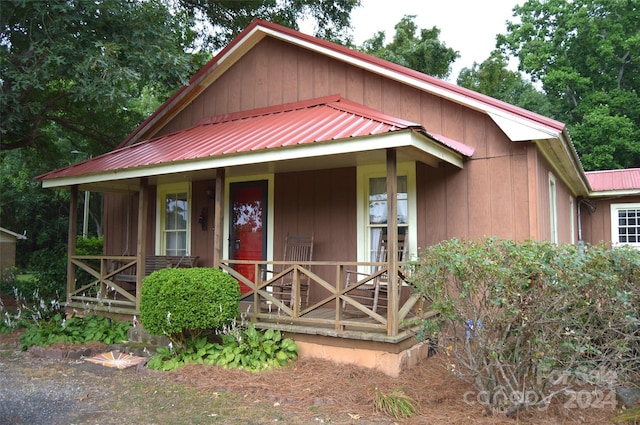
<point x="247" y="235"/>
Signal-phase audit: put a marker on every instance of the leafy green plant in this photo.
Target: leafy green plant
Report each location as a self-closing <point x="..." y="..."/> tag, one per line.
<point x="186" y="304"/>
<point x="74" y="330"/>
<point x="526" y="322"/>
<point x="395" y="404"/>
<point x="90" y="245"/>
<point x="247" y="349"/>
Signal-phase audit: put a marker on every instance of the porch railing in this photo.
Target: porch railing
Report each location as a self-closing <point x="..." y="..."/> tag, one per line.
<point x="338" y="310"/>
<point x="103" y="284"/>
<point x="95" y="286"/>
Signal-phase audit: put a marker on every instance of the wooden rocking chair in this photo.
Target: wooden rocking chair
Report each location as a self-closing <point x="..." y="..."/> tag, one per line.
<point x="373" y="293"/>
<point x="296" y="249"/>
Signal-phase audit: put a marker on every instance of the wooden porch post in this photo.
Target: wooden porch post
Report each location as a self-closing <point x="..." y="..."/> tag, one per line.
<point x="392" y="243"/>
<point x="71" y="241"/>
<point x="218" y="219"/>
<point x="141" y="246"/>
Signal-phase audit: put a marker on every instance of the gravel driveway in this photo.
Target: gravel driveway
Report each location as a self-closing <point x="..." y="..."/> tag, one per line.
<point x="47" y="391"/>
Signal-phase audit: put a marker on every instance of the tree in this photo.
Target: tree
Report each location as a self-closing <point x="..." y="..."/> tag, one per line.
<point x="586" y="54"/>
<point x="226" y="18"/>
<point x="426" y="53"/>
<point x="77" y="66"/>
<point x="492" y="78"/>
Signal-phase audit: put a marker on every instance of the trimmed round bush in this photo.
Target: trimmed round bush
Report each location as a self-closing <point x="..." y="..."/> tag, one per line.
<point x="184" y="303"/>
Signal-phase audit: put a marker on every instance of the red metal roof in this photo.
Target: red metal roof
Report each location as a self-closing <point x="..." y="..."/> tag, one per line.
<point x="628" y="179"/>
<point x="307" y="122"/>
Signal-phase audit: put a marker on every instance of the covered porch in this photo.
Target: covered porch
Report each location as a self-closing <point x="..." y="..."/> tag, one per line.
<point x="344" y="291"/>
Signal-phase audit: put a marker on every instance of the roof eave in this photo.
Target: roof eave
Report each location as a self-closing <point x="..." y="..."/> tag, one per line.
<point x="408" y="138"/>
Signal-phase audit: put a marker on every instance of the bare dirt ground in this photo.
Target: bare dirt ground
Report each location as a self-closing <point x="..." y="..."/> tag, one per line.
<point x="308" y="392"/>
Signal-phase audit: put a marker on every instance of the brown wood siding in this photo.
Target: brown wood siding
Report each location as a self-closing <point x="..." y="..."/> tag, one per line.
<point x="322" y="202"/>
<point x="120" y="221"/>
<point x="489" y="197"/>
<point x="202" y="240"/>
<point x="274" y="72"/>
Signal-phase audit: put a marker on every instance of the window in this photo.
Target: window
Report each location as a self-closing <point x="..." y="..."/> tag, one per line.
<point x="553" y="208"/>
<point x="372" y="209"/>
<point x="377" y="223"/>
<point x="173" y="206"/>
<point x="625" y="224"/>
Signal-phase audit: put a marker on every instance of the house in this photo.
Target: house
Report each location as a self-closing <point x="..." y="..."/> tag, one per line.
<point x="8" y="240"/>
<point x="286" y="134"/>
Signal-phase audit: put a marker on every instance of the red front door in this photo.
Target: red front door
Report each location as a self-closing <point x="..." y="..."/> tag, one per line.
<point x="247" y="235"/>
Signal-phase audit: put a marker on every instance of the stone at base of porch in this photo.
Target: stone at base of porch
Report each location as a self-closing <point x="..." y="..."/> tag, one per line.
<point x="390" y="359"/>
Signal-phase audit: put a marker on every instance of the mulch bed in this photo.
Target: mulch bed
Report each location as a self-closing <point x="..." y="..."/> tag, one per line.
<point x="340" y="390"/>
<point x="350" y="389"/>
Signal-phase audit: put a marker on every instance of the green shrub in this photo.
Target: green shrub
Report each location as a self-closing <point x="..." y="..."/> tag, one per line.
<point x="526" y="322"/>
<point x="90" y="245"/>
<point x="185" y="303"/>
<point x="242" y="348"/>
<point x="74" y="330"/>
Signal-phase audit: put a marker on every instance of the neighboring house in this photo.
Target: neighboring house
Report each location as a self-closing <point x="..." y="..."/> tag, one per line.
<point x="283" y="133"/>
<point x="8" y="240"/>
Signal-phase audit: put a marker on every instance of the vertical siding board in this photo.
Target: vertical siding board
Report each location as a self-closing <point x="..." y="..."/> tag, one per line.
<point x="202" y="240"/>
<point x="337" y="74"/>
<point x="290" y="80"/>
<point x="354" y="84"/>
<point x="248" y="70"/>
<point x="532" y="191"/>
<point x="502" y="208"/>
<point x="410" y="104"/>
<point x="431" y="112"/>
<point x="305" y="75"/>
<point x="477" y="131"/>
<point x="262" y="78"/>
<point x="452" y="120"/>
<point x="457" y="204"/>
<point x="373" y="90"/>
<point x="391" y="102"/>
<point x="479" y="198"/>
<point x="432" y="205"/>
<point x="320" y="76"/>
<point x="520" y="194"/>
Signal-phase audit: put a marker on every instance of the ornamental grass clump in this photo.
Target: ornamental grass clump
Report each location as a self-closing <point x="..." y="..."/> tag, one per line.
<point x="395" y="404"/>
<point x="187" y="304"/>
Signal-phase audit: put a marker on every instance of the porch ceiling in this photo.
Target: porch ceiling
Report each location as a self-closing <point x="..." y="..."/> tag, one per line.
<point x="328" y="132"/>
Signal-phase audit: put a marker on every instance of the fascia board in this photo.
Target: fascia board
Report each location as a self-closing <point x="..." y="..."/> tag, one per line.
<point x="519" y="130"/>
<point x="614" y="193"/>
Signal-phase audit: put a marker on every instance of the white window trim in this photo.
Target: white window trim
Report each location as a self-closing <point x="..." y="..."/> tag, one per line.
<point x="270" y="219"/>
<point x="364" y="173"/>
<point x="553" y="208"/>
<point x="163" y="189"/>
<point x="614" y="223"/>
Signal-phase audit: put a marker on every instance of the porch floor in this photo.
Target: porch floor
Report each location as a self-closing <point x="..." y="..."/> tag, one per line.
<point x="353" y="327"/>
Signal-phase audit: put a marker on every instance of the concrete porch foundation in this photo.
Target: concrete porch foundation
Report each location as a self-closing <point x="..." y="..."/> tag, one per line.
<point x="388" y="362"/>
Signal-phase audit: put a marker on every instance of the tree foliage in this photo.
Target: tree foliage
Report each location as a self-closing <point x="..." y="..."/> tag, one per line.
<point x="586" y="54"/>
<point x="74" y="68"/>
<point x="226" y="18"/>
<point x="419" y="50"/>
<point x="493" y="78"/>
